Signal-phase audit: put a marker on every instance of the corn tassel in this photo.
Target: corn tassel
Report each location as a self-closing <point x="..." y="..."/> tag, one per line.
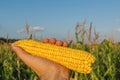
<point x="73" y="59"/>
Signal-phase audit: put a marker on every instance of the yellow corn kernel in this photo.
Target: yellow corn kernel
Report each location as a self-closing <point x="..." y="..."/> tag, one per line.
<point x="73" y="59"/>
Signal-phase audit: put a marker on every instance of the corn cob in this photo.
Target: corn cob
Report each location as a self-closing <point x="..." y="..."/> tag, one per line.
<point x="73" y="59"/>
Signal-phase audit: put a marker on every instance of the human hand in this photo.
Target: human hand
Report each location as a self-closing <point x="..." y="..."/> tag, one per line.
<point x="45" y="69"/>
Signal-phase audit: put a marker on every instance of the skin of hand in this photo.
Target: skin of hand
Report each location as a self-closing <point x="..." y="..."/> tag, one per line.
<point x="45" y="69"/>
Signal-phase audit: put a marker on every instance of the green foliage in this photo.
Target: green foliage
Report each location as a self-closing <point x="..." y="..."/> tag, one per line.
<point x="11" y="67"/>
<point x="106" y="66"/>
<point x="107" y="53"/>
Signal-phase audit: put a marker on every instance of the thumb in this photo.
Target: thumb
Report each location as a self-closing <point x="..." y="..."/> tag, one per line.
<point x="16" y="48"/>
<point x="19" y="51"/>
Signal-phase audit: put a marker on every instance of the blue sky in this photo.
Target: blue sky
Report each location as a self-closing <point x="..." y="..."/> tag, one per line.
<point x="58" y="17"/>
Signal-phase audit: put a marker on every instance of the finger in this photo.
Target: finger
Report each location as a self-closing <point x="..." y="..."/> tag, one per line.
<point x="18" y="50"/>
<point x="38" y="64"/>
<point x="21" y="53"/>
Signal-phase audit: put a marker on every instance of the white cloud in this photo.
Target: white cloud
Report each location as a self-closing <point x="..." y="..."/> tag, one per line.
<point x="118" y="30"/>
<point x="20" y="30"/>
<point x="35" y="28"/>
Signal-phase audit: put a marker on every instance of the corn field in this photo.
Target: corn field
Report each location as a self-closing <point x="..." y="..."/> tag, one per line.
<point x="106" y="66"/>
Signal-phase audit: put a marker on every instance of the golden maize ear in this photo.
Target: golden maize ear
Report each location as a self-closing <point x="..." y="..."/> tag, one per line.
<point x="73" y="59"/>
